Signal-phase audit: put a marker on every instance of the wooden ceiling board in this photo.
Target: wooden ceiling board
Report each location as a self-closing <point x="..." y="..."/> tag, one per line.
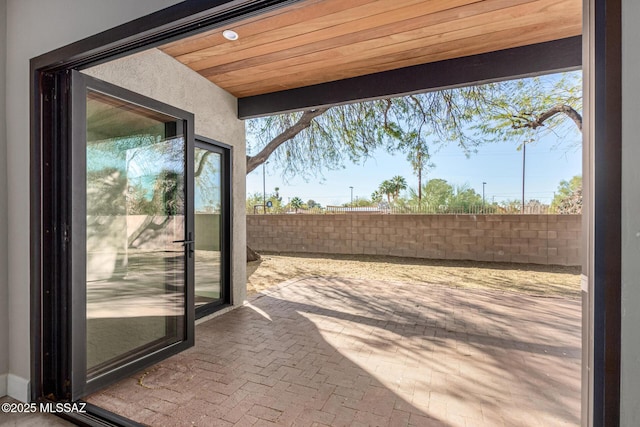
<point x="446" y="50"/>
<point x="342" y="25"/>
<point x="398" y="21"/>
<point x="400" y="45"/>
<point x="396" y="43"/>
<point x="285" y="17"/>
<point x="319" y="41"/>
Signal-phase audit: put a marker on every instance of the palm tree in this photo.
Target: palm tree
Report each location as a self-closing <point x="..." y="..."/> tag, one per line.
<point x="296" y="203"/>
<point x="419" y="160"/>
<point x="392" y="187"/>
<point x="399" y="184"/>
<point x="387" y="187"/>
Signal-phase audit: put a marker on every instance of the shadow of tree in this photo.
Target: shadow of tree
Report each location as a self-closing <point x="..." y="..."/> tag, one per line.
<point x="252" y="267"/>
<point x="266" y="362"/>
<point x="349" y="352"/>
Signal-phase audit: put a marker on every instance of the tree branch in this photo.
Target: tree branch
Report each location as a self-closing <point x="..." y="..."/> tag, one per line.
<point x="303" y="122"/>
<point x="386" y="112"/>
<point x="202" y="163"/>
<point x="557" y="109"/>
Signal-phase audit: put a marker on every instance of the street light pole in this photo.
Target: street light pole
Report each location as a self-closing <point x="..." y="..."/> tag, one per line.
<point x="264" y="189"/>
<point x="483" y="184"/>
<point x="524" y="163"/>
<point x="351" y="187"/>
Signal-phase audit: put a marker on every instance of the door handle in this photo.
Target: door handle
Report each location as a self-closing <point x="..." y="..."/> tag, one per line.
<point x="187" y="243"/>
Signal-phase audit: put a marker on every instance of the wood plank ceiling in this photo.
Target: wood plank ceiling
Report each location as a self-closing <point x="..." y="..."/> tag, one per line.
<point x="317" y="41"/>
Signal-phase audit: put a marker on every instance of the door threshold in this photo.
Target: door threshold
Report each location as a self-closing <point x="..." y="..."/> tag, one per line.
<point x="96" y="416"/>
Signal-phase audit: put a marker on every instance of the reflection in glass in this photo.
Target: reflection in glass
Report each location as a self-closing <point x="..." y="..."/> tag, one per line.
<point x="135" y="210"/>
<point x="207" y="226"/>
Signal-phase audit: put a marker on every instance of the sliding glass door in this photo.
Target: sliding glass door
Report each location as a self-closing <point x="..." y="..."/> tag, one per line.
<point x="132" y="232"/>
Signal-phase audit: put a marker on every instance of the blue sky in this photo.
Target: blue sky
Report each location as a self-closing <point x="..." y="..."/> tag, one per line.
<point x="549" y="160"/>
<point x="499" y="165"/>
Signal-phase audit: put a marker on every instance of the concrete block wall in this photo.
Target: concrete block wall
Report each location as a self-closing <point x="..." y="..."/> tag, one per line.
<point x="536" y="239"/>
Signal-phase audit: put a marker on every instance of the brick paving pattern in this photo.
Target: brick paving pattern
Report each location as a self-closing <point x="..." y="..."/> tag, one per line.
<point x="345" y="352"/>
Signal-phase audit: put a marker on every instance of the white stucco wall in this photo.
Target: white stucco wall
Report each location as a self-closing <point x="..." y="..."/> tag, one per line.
<point x="35" y="27"/>
<point x="630" y="351"/>
<point x="215" y="110"/>
<point x="4" y="315"/>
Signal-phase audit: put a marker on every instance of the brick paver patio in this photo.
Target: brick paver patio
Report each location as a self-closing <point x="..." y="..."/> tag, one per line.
<point x="344" y="352"/>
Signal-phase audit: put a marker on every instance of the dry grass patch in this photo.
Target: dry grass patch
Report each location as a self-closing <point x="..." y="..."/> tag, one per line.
<point x="532" y="279"/>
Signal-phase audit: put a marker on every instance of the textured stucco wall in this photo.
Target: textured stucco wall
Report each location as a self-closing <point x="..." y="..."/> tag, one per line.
<point x="35" y="27"/>
<point x="215" y="111"/>
<point x="537" y="239"/>
<point x="630" y="349"/>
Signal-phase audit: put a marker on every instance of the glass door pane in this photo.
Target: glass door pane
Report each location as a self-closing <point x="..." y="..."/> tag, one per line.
<point x="208" y="226"/>
<point x="132" y="228"/>
<point x="135" y="213"/>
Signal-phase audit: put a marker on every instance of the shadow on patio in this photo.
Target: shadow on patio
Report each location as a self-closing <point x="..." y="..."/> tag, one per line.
<point x="330" y="351"/>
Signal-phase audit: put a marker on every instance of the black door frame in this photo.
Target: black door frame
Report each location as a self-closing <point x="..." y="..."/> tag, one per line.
<point x="80" y="385"/>
<point x="50" y="210"/>
<point x="604" y="50"/>
<point x="49" y="225"/>
<point x="226" y="223"/>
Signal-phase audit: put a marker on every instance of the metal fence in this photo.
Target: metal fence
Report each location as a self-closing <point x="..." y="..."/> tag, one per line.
<point x="414" y="210"/>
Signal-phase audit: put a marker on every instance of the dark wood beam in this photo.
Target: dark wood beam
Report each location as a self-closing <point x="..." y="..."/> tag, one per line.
<point x="542" y="58"/>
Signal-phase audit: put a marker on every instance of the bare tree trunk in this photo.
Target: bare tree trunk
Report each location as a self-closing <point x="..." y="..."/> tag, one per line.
<point x="420" y="188"/>
<point x="302" y="123"/>
<point x="252" y="255"/>
<point x="255" y="161"/>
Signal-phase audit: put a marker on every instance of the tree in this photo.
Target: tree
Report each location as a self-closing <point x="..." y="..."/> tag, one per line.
<point x="308" y="142"/>
<point x="305" y="143"/>
<point x="255" y="199"/>
<point x="252" y="201"/>
<point x="437" y="193"/>
<point x="440" y="196"/>
<point x="376" y="197"/>
<point x="313" y="204"/>
<point x="568" y="197"/>
<point x="419" y="160"/>
<point x="392" y="187"/>
<point x="207" y="179"/>
<point x="296" y="203"/>
<point x="387" y="188"/>
<point x="465" y="198"/>
<point x="526" y="109"/>
<point x="398" y="184"/>
<point x="413" y="141"/>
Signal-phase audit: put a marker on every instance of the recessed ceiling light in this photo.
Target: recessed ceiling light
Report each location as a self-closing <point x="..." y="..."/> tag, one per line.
<point x="230" y="35"/>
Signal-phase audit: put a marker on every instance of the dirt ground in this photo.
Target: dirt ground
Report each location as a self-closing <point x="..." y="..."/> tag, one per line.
<point x="531" y="279"/>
